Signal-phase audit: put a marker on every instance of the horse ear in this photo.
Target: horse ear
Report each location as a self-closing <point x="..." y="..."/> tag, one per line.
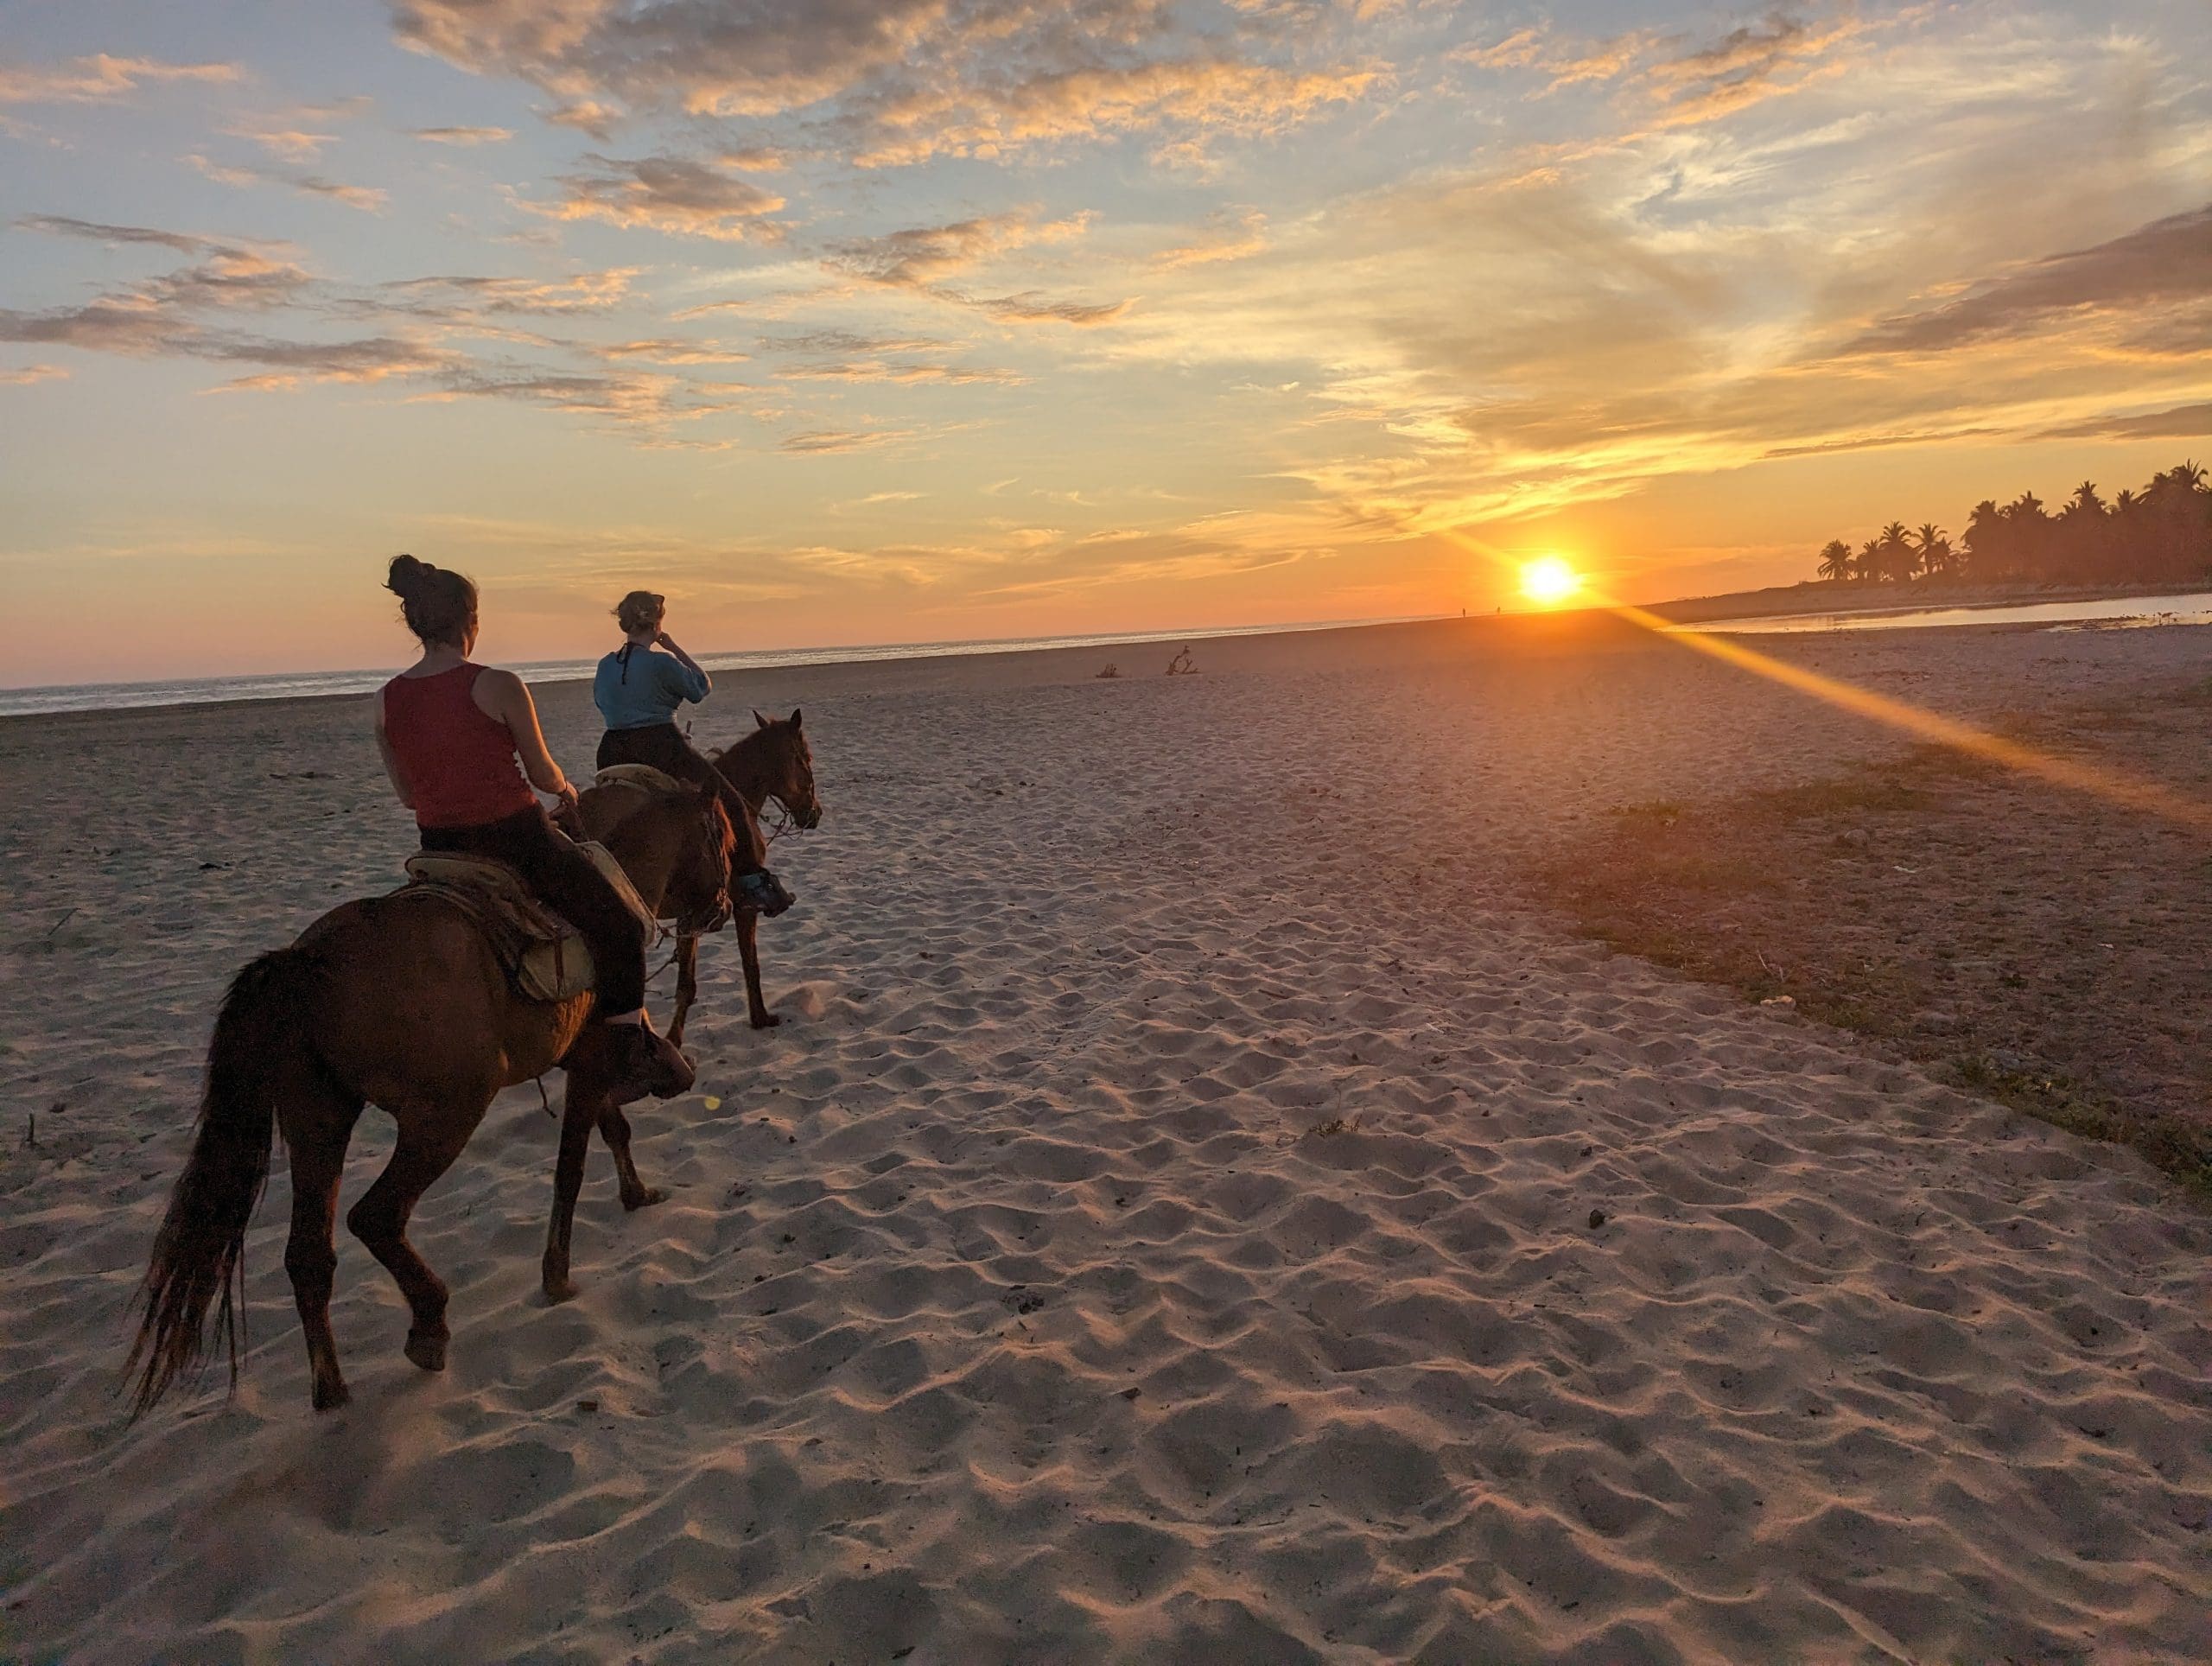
<point x="757" y="718"/>
<point x="795" y="716"/>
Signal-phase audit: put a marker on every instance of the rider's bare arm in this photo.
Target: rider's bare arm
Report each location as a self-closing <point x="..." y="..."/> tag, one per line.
<point x="391" y="763"/>
<point x="506" y="696"/>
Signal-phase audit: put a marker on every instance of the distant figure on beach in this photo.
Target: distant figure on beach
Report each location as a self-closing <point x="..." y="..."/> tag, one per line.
<point x="638" y="690"/>
<point x="458" y="739"/>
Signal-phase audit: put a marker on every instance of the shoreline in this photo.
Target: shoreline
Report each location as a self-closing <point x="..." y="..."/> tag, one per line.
<point x="1808" y="599"/>
<point x="1920" y="595"/>
<point x="838" y="656"/>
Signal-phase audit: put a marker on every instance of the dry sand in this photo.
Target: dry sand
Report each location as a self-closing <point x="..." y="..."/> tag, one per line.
<point x="1009" y="1306"/>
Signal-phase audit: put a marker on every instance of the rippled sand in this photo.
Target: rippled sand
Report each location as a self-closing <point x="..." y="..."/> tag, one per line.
<point x="1193" y="1210"/>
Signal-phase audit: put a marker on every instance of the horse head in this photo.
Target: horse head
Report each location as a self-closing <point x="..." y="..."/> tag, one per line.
<point x="787" y="767"/>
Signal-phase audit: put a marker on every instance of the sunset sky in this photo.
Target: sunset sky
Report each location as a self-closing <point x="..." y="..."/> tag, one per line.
<point x="859" y="321"/>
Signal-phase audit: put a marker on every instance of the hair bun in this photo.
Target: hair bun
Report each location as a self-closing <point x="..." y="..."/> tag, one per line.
<point x="439" y="604"/>
<point x="407" y="575"/>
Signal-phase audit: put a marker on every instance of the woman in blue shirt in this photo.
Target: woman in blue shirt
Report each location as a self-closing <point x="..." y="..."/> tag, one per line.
<point x="638" y="690"/>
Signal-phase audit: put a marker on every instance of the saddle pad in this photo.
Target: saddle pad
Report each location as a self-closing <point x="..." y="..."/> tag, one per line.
<point x="545" y="957"/>
<point x="643" y="776"/>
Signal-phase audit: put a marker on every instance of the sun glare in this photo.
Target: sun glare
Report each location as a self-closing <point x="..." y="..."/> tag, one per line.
<point x="1548" y="581"/>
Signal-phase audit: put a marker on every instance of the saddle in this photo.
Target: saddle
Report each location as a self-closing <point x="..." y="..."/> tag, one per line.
<point x="545" y="957"/>
<point x="633" y="784"/>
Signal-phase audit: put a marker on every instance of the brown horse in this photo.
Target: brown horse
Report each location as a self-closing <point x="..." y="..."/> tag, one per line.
<point x="774" y="761"/>
<point x="397" y="1001"/>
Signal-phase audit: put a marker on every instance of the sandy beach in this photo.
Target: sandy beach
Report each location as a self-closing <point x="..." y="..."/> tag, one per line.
<point x="1197" y="1207"/>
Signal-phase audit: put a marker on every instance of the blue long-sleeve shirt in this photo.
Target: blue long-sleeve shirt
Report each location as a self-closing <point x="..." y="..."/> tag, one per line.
<point x="637" y="688"/>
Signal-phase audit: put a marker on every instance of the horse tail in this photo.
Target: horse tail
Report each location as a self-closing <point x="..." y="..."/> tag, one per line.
<point x="200" y="1250"/>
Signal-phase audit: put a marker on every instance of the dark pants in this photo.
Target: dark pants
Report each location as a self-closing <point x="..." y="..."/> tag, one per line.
<point x="563" y="877"/>
<point x="663" y="746"/>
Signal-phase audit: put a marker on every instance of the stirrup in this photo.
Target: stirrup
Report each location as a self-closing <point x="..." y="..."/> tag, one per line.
<point x="764" y="893"/>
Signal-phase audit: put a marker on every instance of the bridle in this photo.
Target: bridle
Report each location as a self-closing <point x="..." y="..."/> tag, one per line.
<point x="787" y="817"/>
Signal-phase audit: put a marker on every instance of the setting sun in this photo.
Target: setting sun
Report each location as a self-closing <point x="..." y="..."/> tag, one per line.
<point x="1548" y="581"/>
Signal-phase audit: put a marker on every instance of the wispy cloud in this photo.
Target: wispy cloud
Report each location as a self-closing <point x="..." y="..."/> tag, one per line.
<point x="1225" y="238"/>
<point x="371" y="199"/>
<point x="668" y="193"/>
<point x="669" y="351"/>
<point x="577" y="292"/>
<point x="201" y="311"/>
<point x="896" y="371"/>
<point x="921" y="258"/>
<point x="825" y="442"/>
<point x="2183" y="422"/>
<point x="1748" y="65"/>
<point x="922" y="255"/>
<point x="99" y="77"/>
<point x="2168" y="261"/>
<point x="24" y="375"/>
<point x="294" y="134"/>
<point x="1034" y="308"/>
<point x="900" y="81"/>
<point x="463" y="136"/>
<point x="1196" y="99"/>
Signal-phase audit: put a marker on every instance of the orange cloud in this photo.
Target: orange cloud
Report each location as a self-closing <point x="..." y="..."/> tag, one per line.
<point x="668" y="193"/>
<point x="84" y="80"/>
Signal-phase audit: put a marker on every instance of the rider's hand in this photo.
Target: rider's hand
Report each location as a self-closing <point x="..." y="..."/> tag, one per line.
<point x="665" y="641"/>
<point x="567" y="795"/>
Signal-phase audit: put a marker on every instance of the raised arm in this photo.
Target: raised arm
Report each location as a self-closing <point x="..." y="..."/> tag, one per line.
<point x="697" y="685"/>
<point x="506" y="696"/>
<point x="390" y="759"/>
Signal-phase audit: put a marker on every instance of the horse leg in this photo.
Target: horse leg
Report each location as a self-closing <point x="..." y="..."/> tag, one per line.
<point x="687" y="984"/>
<point x="749" y="951"/>
<point x="428" y="1142"/>
<point x="318" y="1122"/>
<point x="614" y="1129"/>
<point x="581" y="1108"/>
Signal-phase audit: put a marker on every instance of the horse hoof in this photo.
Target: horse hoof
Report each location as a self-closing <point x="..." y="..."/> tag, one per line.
<point x="427" y="1351"/>
<point x="331" y="1396"/>
<point x="767" y="1021"/>
<point x="644" y="1197"/>
<point x="558" y="1291"/>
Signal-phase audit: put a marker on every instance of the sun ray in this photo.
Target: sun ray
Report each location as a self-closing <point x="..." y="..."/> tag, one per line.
<point x="2113" y="785"/>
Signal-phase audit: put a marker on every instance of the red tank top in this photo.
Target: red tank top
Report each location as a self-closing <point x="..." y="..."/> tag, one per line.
<point x="460" y="765"/>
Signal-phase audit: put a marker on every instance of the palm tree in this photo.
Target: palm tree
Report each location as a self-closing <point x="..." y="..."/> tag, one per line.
<point x="1898" y="560"/>
<point x="2162" y="532"/>
<point x="1933" y="549"/>
<point x="1985" y="539"/>
<point x="2028" y="536"/>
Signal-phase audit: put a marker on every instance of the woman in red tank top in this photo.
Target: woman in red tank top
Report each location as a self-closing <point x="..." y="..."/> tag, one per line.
<point x="462" y="746"/>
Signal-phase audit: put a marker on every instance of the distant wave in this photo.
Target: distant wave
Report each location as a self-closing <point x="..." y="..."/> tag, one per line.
<point x="294" y="685"/>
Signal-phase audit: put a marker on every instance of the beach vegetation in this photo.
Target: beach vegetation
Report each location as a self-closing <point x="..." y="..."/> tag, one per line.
<point x="2161" y="534"/>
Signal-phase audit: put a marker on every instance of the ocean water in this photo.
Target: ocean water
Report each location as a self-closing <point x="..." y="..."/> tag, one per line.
<point x="290" y="685"/>
<point x="2109" y="611"/>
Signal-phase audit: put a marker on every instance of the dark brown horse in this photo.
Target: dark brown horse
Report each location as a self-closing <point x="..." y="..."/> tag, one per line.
<point x="397" y="1001"/>
<point x="774" y="761"/>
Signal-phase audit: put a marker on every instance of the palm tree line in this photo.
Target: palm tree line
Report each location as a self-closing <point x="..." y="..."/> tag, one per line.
<point x="2163" y="533"/>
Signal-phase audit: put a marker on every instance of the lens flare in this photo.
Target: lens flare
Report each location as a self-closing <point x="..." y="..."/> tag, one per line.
<point x="1548" y="581"/>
